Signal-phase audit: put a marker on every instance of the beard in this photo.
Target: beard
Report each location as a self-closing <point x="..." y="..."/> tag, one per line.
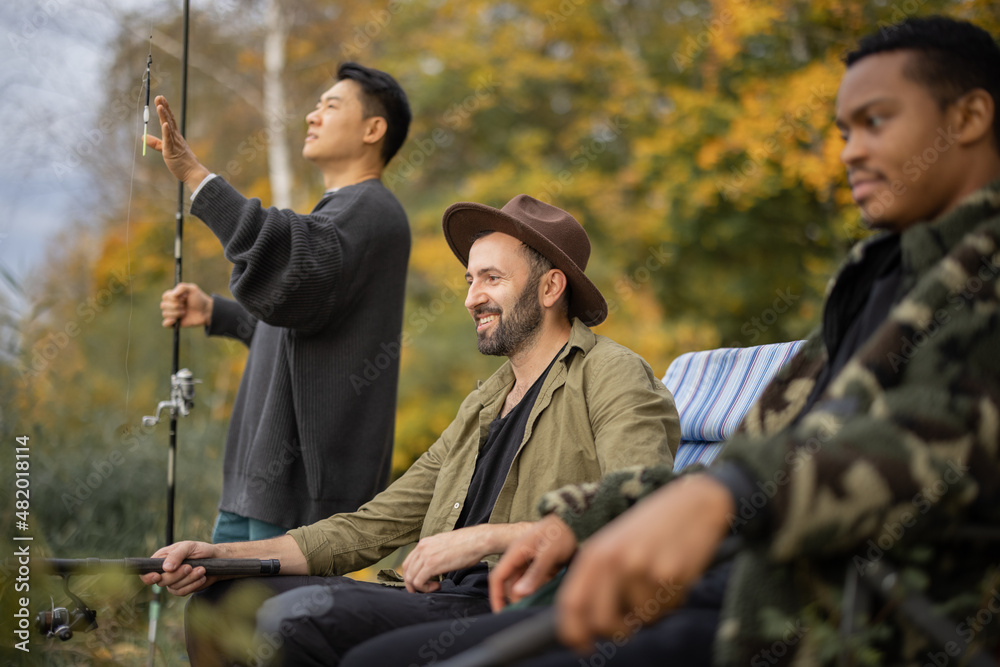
<point x="519" y="328"/>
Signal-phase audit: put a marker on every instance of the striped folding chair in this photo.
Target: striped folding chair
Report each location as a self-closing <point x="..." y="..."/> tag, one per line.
<point x="713" y="390"/>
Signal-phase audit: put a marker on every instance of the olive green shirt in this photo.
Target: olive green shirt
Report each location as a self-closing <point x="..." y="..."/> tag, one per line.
<point x="600" y="408"/>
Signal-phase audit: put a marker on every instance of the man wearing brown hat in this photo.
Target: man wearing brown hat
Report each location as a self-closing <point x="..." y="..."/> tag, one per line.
<point x="568" y="407"/>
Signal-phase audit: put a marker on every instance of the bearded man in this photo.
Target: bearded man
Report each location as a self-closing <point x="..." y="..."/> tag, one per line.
<point x="569" y="406"/>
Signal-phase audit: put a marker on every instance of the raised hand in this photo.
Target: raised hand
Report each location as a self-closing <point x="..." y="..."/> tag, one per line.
<point x="177" y="155"/>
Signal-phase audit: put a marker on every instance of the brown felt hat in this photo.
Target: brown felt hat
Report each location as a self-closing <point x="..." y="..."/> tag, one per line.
<point x="551" y="231"/>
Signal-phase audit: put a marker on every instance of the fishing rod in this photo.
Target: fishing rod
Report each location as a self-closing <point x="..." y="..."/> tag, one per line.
<point x="221" y="567"/>
<point x="181" y="380"/>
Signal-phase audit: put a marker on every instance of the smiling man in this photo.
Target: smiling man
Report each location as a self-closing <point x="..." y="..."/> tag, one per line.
<point x="567" y="407"/>
<point x="316" y="298"/>
<point x="878" y="438"/>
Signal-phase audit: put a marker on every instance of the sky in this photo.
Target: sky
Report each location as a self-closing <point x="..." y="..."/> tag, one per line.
<point x="53" y="57"/>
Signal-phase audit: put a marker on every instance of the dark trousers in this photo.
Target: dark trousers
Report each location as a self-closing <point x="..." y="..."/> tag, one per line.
<point x="301" y="620"/>
<point x="684" y="637"/>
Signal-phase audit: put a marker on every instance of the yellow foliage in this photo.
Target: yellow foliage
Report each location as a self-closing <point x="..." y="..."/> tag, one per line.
<point x="735" y="20"/>
<point x="431" y="256"/>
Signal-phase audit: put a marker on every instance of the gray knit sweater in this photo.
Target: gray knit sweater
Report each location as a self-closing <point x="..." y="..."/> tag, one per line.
<point x="319" y="301"/>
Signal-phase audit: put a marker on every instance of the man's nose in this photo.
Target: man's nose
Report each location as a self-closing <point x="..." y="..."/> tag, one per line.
<point x="854" y="149"/>
<point x="475" y="297"/>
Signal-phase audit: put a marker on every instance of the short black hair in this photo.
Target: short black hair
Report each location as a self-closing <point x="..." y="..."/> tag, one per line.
<point x="952" y="57"/>
<point x="381" y="96"/>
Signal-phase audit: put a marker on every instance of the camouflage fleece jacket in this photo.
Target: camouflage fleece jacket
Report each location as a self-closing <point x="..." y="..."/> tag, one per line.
<point x="900" y="447"/>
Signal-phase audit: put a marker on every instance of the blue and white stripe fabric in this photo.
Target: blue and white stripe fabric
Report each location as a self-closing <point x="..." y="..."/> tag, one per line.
<point x="713" y="391"/>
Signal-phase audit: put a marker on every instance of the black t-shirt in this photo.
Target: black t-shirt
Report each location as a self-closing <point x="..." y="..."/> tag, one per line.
<point x="848" y="324"/>
<point x="492" y="465"/>
<point x="879" y="300"/>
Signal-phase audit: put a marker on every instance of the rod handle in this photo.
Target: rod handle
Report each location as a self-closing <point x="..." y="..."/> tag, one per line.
<point x="213" y="566"/>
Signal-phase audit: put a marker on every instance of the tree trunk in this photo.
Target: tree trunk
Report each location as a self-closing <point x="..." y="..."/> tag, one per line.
<point x="275" y="110"/>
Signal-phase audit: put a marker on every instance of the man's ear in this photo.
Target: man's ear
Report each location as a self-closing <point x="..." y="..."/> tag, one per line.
<point x="974" y="114"/>
<point x="552" y="287"/>
<point x="375" y="129"/>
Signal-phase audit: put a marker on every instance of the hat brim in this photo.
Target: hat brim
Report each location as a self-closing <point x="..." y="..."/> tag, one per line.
<point x="464" y="220"/>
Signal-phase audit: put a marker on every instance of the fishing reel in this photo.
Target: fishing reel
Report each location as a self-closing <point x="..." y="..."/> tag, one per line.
<point x="61" y="622"/>
<point x="181" y="397"/>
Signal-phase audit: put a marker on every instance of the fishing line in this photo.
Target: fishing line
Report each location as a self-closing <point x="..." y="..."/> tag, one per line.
<point x="128" y="211"/>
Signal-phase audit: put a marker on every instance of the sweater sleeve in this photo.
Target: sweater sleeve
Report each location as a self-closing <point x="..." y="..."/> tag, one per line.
<point x="586" y="508"/>
<point x="230" y="319"/>
<point x="289" y="270"/>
